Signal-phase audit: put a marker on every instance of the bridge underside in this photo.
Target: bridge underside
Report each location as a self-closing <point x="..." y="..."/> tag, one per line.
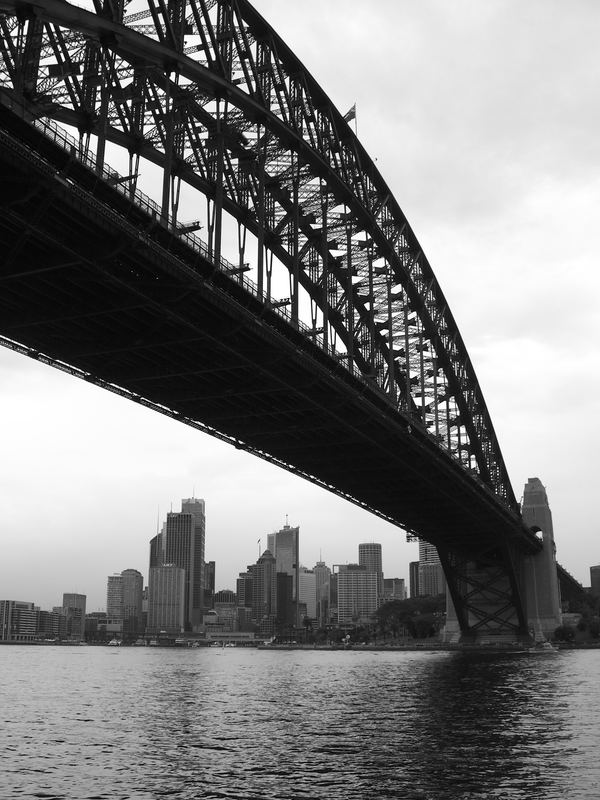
<point x="93" y="281"/>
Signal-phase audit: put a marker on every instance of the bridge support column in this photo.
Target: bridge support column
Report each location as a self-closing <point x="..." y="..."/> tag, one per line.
<point x="485" y="604"/>
<point x="540" y="578"/>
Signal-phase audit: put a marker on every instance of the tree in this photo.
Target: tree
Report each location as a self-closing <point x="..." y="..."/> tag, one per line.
<point x="418" y="615"/>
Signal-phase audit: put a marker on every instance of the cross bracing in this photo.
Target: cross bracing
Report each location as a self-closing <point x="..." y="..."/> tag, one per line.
<point x="209" y="93"/>
<point x="308" y="191"/>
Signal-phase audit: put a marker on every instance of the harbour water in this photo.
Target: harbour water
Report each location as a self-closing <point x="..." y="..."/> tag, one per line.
<point x="137" y="723"/>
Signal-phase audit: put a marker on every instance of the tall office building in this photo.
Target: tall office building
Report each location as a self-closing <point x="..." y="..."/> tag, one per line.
<point x="209" y="584"/>
<point x="322" y="579"/>
<point x="74" y="610"/>
<point x="181" y="543"/>
<point x="357" y="595"/>
<point x="284" y="545"/>
<point x="114" y="596"/>
<point x="369" y="557"/>
<point x="307" y="591"/>
<point x="124" y="600"/>
<point x="243" y="589"/>
<point x="166" y="600"/>
<point x="264" y="587"/>
<point x="431" y="574"/>
<point x="413" y="573"/>
<point x="595" y="580"/>
<point x="132" y="601"/>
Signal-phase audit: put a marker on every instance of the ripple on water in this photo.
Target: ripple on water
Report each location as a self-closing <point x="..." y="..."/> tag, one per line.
<point x="250" y="724"/>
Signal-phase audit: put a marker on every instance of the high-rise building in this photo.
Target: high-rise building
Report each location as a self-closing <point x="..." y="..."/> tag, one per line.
<point x="74" y="610"/>
<point x="166" y="600"/>
<point x="284" y="546"/>
<point x="18" y="621"/>
<point x="307" y="591"/>
<point x="357" y="595"/>
<point x="243" y="588"/>
<point x="431" y="574"/>
<point x="369" y="557"/>
<point x="595" y="580"/>
<point x="124" y="600"/>
<point x="209" y="584"/>
<point x="132" y="601"/>
<point x="264" y="587"/>
<point x="181" y="543"/>
<point x="322" y="578"/>
<point x="114" y="596"/>
<point x="413" y="577"/>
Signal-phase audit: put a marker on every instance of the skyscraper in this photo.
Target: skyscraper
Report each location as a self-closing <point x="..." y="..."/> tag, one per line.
<point x="284" y="546"/>
<point x="74" y="610"/>
<point x="595" y="580"/>
<point x="166" y="599"/>
<point x="322" y="579"/>
<point x="369" y="557"/>
<point x="264" y="587"/>
<point x="431" y="574"/>
<point x="181" y="543"/>
<point x="114" y="596"/>
<point x="307" y="591"/>
<point x="131" y="603"/>
<point x="356" y="594"/>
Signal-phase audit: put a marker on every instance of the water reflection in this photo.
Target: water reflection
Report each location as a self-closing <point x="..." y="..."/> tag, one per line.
<point x="253" y="724"/>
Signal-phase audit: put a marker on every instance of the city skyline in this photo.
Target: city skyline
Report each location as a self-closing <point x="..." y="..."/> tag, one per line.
<point x="491" y="167"/>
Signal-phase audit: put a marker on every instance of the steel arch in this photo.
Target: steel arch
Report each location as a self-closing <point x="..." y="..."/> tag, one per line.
<point x="207" y="91"/>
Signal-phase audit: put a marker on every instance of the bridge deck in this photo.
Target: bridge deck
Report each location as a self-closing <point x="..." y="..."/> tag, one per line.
<point x="92" y="280"/>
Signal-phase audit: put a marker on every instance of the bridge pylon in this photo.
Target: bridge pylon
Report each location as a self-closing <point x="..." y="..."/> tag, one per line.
<point x="540" y="579"/>
<point x="503" y="595"/>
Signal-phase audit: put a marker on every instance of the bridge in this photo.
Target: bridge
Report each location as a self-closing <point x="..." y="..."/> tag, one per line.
<point x="188" y="221"/>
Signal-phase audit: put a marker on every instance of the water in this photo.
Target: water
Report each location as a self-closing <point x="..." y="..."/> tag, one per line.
<point x="92" y="722"/>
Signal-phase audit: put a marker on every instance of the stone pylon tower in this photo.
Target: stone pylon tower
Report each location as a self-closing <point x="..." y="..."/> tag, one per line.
<point x="540" y="580"/>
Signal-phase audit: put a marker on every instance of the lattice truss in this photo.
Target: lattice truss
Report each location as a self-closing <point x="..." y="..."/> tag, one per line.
<point x="216" y="99"/>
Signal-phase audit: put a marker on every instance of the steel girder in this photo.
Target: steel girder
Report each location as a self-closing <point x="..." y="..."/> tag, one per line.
<point x="207" y="91"/>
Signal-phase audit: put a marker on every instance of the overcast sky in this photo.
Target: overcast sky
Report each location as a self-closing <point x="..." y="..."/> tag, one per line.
<point x="484" y="120"/>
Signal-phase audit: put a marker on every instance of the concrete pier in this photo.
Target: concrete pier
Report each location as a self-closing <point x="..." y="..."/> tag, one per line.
<point x="540" y="579"/>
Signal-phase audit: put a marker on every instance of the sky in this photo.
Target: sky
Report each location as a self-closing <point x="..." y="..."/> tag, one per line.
<point x="483" y="119"/>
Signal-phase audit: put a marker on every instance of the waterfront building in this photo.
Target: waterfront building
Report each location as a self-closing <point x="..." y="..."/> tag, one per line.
<point x="132" y="603"/>
<point x="124" y="593"/>
<point x="357" y="596"/>
<point x="181" y="543"/>
<point x="18" y="621"/>
<point x="167" y="600"/>
<point x="73" y="608"/>
<point x="52" y="625"/>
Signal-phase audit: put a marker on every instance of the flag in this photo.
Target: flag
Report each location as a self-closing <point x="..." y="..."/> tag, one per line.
<point x="350" y="114"/>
